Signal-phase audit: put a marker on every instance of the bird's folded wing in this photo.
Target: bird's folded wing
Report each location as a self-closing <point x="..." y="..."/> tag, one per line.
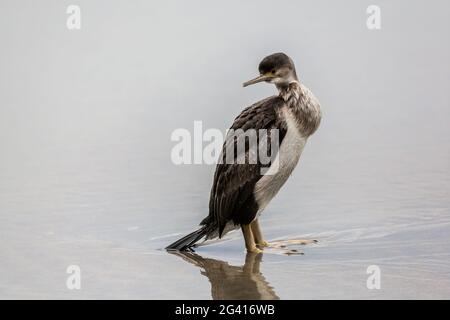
<point x="234" y="182"/>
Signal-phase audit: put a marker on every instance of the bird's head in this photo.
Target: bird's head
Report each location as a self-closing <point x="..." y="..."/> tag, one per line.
<point x="277" y="68"/>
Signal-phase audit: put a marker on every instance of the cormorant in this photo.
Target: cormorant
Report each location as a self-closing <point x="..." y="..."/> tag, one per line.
<point x="240" y="191"/>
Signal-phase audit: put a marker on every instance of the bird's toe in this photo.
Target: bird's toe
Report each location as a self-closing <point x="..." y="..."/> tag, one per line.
<point x="263" y="244"/>
<point x="254" y="249"/>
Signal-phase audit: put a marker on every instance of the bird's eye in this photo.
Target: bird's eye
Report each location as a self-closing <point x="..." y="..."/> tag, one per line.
<point x="273" y="71"/>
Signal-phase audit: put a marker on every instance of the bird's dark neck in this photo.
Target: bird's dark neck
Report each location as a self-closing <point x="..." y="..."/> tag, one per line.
<point x="303" y="105"/>
<point x="290" y="93"/>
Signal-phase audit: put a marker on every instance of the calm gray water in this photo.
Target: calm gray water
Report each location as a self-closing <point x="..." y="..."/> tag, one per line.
<point x="85" y="171"/>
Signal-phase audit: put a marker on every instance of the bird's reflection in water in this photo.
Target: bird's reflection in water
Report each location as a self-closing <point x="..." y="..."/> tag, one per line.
<point x="233" y="282"/>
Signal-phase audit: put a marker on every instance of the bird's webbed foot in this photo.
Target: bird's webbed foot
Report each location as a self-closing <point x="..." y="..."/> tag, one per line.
<point x="281" y="244"/>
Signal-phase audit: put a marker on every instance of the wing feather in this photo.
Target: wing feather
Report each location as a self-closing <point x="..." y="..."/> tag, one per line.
<point x="231" y="196"/>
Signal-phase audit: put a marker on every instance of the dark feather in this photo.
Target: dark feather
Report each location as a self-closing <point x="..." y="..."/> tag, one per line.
<point x="231" y="196"/>
<point x="188" y="241"/>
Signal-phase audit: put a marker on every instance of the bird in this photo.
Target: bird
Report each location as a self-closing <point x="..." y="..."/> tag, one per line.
<point x="241" y="191"/>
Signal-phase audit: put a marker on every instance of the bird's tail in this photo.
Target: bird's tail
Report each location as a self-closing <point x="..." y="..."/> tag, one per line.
<point x="188" y="241"/>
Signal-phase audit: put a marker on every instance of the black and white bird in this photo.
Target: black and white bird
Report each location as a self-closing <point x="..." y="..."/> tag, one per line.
<point x="241" y="191"/>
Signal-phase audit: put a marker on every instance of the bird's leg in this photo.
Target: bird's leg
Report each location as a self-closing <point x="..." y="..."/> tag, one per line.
<point x="249" y="240"/>
<point x="257" y="234"/>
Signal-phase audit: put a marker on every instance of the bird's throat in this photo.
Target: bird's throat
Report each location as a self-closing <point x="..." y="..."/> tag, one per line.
<point x="290" y="93"/>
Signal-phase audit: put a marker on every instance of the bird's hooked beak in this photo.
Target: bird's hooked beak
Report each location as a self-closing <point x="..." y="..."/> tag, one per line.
<point x="263" y="77"/>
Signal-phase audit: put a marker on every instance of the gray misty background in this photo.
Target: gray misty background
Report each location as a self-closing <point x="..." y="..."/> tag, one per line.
<point x="86" y="116"/>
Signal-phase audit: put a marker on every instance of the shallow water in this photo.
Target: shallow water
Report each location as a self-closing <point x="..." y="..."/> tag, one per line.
<point x="86" y="177"/>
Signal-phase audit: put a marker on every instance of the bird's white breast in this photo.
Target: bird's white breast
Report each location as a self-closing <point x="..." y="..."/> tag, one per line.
<point x="286" y="160"/>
